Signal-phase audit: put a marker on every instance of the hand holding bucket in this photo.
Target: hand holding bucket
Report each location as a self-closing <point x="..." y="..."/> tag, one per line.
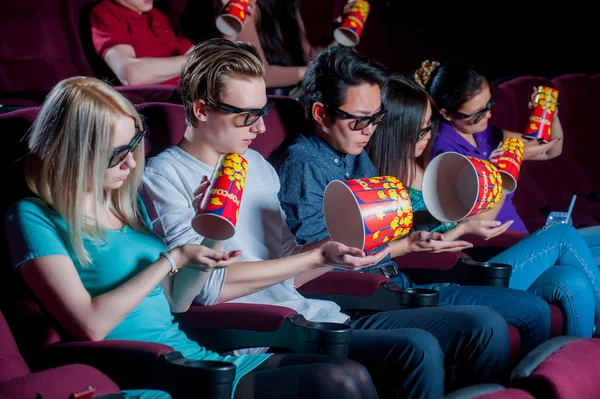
<point x="456" y="186"/>
<point x="509" y="163"/>
<point x="217" y="215"/>
<point x="230" y="21"/>
<point x="348" y="34"/>
<point x="367" y="213"/>
<point x="544" y="101"/>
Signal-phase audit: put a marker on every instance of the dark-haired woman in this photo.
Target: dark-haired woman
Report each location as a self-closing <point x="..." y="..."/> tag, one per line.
<point x="554" y="262"/>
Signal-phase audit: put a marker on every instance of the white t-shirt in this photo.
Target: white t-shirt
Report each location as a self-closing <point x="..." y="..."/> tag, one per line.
<point x="170" y="180"/>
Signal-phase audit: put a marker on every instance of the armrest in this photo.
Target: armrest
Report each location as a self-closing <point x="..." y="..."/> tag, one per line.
<point x="146" y="365"/>
<point x="466" y="271"/>
<point x="344" y="283"/>
<point x="431" y="262"/>
<point x="366" y="291"/>
<point x="60" y="382"/>
<point x="230" y="326"/>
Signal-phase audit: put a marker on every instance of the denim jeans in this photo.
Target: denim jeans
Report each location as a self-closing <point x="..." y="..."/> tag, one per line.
<point x="474" y="341"/>
<point x="591" y="236"/>
<point x="576" y="289"/>
<point x="526" y="311"/>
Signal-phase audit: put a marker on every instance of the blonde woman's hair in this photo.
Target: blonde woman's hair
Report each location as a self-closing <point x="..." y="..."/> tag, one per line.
<point x="70" y="151"/>
<point x="207" y="68"/>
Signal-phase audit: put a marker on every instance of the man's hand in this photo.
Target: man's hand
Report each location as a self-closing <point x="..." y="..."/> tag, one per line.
<point x="336" y="254"/>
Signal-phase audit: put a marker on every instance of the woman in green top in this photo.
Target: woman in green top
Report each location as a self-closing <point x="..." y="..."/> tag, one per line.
<point x="85" y="247"/>
<point x="554" y="262"/>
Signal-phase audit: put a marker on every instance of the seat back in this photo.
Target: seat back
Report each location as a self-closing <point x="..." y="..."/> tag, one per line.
<point x="12" y="364"/>
<point x="33" y="328"/>
<point x="78" y="26"/>
<point x="284" y="123"/>
<point x="578" y="94"/>
<point x="166" y="125"/>
<point x="35" y="51"/>
<point x="503" y="113"/>
<point x="558" y="178"/>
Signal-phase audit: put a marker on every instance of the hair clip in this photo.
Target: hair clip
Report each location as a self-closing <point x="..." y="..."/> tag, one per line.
<point x="423" y="74"/>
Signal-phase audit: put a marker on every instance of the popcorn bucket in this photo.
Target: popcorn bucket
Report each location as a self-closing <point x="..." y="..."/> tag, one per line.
<point x="218" y="213"/>
<point x="231" y="19"/>
<point x="543" y="105"/>
<point x="509" y="163"/>
<point x="457" y="186"/>
<point x="367" y="213"/>
<point x="349" y="32"/>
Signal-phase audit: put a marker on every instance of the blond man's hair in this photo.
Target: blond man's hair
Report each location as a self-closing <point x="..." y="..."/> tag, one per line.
<point x="70" y="151"/>
<point x="207" y="68"/>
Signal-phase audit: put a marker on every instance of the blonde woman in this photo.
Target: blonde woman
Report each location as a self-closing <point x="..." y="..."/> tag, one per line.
<point x="85" y="247"/>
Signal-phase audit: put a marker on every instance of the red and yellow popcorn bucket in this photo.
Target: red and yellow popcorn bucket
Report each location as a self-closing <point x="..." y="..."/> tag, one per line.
<point x="218" y="213"/>
<point x="231" y="19"/>
<point x="509" y="163"/>
<point x="456" y="186"/>
<point x="543" y="106"/>
<point x="349" y="32"/>
<point x="367" y="213"/>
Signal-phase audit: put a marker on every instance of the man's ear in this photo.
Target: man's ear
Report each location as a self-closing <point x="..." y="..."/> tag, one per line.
<point x="319" y="114"/>
<point x="200" y="110"/>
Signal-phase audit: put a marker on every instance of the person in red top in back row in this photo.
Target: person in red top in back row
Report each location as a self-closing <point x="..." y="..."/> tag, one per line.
<point x="138" y="42"/>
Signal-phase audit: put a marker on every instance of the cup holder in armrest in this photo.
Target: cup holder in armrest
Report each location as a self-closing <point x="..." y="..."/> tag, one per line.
<point x="324" y="337"/>
<point x="330" y="333"/>
<point x="488" y="274"/>
<point x="414" y="297"/>
<point x="419" y="297"/>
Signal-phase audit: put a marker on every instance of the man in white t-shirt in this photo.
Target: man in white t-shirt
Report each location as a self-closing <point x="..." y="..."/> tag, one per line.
<point x="224" y="97"/>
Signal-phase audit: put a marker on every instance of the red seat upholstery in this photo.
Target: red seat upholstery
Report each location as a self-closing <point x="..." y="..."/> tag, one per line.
<point x="578" y="94"/>
<point x="561" y="368"/>
<point x="17" y="381"/>
<point x="35" y="51"/>
<point x="559" y="178"/>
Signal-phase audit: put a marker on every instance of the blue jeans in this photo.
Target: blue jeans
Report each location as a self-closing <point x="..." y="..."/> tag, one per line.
<point x="527" y="312"/>
<point x="575" y="289"/>
<point x="591" y="236"/>
<point x="474" y="341"/>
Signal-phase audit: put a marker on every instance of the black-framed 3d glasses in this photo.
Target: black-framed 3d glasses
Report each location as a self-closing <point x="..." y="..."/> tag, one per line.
<point x="361" y="122"/>
<point x="119" y="154"/>
<point x="478" y="116"/>
<point x="426" y="130"/>
<point x="253" y="114"/>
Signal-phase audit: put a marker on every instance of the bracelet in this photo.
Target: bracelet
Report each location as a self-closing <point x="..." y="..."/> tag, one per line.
<point x="168" y="257"/>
